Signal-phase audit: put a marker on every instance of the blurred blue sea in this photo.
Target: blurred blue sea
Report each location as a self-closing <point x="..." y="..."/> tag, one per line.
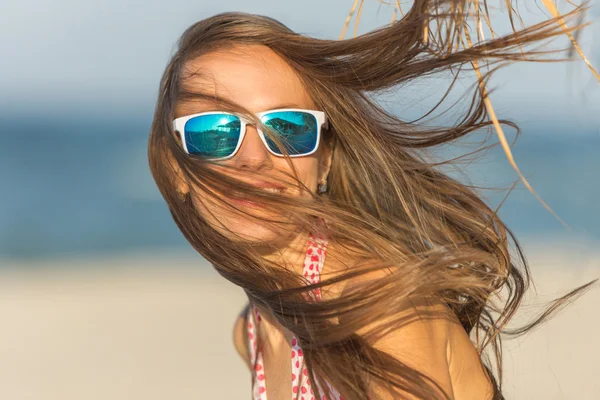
<point x="83" y="186"/>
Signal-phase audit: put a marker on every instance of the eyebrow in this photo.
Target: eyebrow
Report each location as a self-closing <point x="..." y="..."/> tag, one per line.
<point x="214" y="99"/>
<point x="285" y="105"/>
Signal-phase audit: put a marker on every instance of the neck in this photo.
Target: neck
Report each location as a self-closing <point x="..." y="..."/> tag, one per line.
<point x="291" y="256"/>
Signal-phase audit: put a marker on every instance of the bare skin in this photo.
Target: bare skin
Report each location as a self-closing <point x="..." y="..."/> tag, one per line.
<point x="439" y="348"/>
<point x="259" y="79"/>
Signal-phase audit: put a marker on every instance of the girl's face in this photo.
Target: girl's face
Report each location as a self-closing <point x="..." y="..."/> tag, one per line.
<point x="258" y="79"/>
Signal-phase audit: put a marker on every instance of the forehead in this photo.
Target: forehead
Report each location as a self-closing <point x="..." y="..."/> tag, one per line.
<point x="253" y="76"/>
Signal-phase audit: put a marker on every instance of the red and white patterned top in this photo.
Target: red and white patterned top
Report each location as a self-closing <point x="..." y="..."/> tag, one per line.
<point x="313" y="265"/>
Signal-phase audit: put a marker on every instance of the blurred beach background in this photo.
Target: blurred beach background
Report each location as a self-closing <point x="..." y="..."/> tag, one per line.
<point x="100" y="295"/>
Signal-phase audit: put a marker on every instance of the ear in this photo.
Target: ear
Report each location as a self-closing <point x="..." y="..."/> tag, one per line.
<point x="325" y="159"/>
<point x="181" y="184"/>
<point x="179" y="178"/>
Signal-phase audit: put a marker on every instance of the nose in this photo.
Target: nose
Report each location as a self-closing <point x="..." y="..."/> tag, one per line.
<point x="252" y="153"/>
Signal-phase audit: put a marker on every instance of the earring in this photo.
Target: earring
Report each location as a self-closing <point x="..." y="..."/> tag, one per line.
<point x="322" y="187"/>
<point x="182" y="196"/>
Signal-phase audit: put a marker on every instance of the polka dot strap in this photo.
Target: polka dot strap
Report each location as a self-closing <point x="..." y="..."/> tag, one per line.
<point x="313" y="265"/>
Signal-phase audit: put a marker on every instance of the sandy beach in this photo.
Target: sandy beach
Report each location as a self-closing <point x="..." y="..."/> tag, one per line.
<point x="159" y="326"/>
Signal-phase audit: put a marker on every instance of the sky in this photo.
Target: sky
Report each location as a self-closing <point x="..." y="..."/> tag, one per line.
<point x="74" y="73"/>
<point x="107" y="57"/>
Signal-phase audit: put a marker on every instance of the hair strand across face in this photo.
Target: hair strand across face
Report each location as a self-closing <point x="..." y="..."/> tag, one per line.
<point x="386" y="208"/>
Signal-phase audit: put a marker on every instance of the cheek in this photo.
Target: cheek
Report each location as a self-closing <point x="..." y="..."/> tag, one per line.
<point x="307" y="168"/>
<point x="205" y="205"/>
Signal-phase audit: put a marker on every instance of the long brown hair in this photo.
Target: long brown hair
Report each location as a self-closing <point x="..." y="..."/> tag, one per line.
<point x="387" y="206"/>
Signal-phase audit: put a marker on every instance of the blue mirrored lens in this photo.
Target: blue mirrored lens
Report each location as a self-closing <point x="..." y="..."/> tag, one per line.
<point x="212" y="135"/>
<point x="296" y="129"/>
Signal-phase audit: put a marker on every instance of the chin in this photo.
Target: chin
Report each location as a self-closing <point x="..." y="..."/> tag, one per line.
<point x="239" y="227"/>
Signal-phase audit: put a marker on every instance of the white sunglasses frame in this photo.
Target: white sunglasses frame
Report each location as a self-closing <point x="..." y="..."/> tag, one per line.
<point x="321" y="117"/>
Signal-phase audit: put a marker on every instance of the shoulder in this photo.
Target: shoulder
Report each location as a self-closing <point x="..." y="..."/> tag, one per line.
<point x="240" y="335"/>
<point x="428" y="339"/>
<point x="469" y="378"/>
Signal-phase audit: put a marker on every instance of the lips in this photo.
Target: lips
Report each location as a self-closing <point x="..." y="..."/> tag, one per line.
<point x="266" y="186"/>
<point x="273" y="189"/>
<point x="277" y="190"/>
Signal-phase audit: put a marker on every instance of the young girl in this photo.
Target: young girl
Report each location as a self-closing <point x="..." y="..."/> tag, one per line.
<point x="370" y="273"/>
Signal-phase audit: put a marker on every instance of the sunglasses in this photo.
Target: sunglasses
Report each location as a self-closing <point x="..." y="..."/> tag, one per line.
<point x="218" y="135"/>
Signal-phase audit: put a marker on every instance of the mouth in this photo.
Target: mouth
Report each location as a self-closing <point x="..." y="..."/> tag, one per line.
<point x="241" y="199"/>
<point x="277" y="190"/>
